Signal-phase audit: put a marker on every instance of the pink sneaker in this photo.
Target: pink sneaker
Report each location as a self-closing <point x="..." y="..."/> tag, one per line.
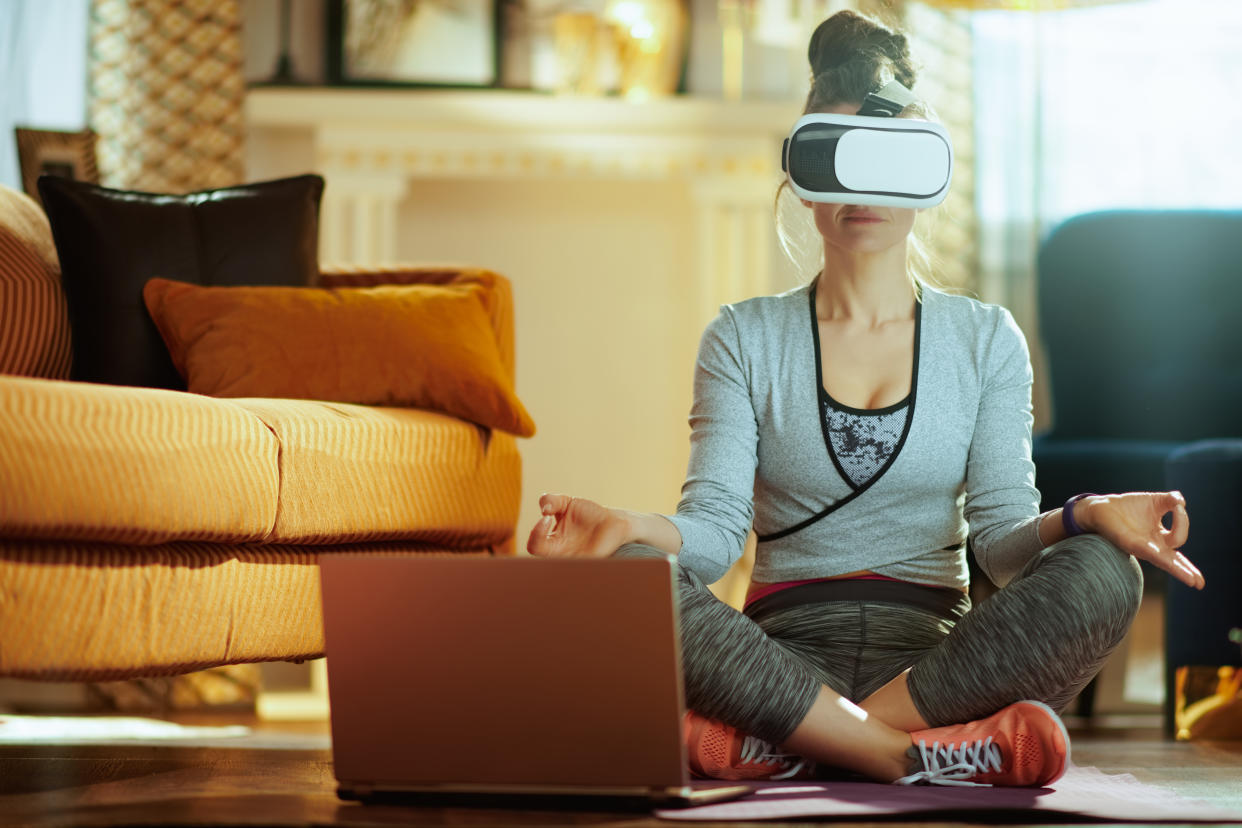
<point x="1023" y="745"/>
<point x="717" y="751"/>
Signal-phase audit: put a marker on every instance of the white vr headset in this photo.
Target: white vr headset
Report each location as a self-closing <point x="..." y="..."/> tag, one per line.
<point x="872" y="158"/>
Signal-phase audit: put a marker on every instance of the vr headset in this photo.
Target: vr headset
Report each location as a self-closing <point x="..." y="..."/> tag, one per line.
<point x="872" y="158"/>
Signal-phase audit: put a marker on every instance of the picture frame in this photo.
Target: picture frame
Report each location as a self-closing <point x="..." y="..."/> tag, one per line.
<point x="452" y="44"/>
<point x="52" y="152"/>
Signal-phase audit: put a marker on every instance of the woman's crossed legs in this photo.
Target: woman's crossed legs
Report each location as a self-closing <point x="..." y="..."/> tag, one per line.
<point x="844" y="683"/>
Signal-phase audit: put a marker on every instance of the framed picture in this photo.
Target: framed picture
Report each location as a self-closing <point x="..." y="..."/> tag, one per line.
<point x="47" y="152"/>
<point x="441" y="43"/>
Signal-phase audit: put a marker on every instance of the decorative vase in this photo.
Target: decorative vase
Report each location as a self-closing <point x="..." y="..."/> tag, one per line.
<point x="650" y="37"/>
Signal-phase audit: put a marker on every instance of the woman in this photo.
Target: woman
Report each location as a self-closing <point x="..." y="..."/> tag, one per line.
<point x="866" y="425"/>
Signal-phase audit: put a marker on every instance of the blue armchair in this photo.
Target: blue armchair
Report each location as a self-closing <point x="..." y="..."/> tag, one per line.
<point x="1141" y="318"/>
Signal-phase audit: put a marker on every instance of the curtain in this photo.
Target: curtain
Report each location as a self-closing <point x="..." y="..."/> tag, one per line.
<point x="1128" y="105"/>
<point x="166" y="93"/>
<point x="43" y="71"/>
<point x="941" y="42"/>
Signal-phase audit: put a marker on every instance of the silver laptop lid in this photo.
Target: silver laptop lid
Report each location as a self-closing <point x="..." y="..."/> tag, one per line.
<point x="505" y="673"/>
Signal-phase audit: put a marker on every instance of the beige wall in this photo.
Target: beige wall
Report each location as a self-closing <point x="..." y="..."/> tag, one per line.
<point x="603" y="287"/>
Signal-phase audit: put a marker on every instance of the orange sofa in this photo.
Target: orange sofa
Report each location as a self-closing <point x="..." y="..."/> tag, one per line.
<point x="149" y="532"/>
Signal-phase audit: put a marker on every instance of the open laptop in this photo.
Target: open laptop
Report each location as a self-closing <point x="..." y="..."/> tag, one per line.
<point x="493" y="679"/>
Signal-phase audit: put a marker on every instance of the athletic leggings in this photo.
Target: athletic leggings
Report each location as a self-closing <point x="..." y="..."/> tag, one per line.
<point x="1043" y="637"/>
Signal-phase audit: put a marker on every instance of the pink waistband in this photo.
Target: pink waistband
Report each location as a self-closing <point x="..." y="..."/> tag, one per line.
<point x="758" y="591"/>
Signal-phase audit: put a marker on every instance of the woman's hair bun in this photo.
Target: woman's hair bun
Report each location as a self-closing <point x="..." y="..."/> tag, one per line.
<point x="858" y="43"/>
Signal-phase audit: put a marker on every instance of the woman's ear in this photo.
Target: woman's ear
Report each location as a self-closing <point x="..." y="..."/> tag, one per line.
<point x="805" y="203"/>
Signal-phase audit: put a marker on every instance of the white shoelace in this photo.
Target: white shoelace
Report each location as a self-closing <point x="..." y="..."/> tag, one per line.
<point x="951" y="764"/>
<point x="758" y="752"/>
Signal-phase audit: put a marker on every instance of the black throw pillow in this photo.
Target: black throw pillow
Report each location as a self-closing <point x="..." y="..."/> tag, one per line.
<point x="110" y="242"/>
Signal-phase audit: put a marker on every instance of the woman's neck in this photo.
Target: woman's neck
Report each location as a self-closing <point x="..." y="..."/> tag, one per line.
<point x="871" y="288"/>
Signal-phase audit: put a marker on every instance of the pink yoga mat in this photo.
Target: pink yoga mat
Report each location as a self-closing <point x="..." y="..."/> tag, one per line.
<point x="1082" y="792"/>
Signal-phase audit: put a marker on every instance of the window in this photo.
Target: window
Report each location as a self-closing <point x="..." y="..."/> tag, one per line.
<point x="1131" y="104"/>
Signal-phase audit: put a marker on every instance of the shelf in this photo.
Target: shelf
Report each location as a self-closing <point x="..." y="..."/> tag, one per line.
<point x="505" y="110"/>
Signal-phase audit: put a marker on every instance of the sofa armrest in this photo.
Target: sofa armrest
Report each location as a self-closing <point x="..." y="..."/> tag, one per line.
<point x="1065" y="466"/>
<point x="499" y="291"/>
<point x="1197" y="624"/>
<point x="34" y="319"/>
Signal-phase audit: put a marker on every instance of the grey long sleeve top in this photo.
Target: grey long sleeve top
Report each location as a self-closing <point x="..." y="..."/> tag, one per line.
<point x="759" y="453"/>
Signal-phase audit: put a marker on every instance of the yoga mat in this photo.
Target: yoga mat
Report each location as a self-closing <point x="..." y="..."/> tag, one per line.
<point x="1082" y="792"/>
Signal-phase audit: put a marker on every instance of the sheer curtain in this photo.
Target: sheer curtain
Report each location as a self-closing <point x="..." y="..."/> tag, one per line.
<point x="1129" y="105"/>
<point x="42" y="72"/>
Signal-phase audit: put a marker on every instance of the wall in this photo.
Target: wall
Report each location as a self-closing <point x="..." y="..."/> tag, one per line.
<point x="602" y="285"/>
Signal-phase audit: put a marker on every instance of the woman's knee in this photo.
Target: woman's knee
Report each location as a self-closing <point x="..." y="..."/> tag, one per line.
<point x="638" y="550"/>
<point x="1097" y="553"/>
<point x="1112" y="575"/>
<point x="686" y="580"/>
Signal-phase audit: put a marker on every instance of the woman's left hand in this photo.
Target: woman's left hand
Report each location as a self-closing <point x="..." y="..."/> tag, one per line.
<point x="1133" y="522"/>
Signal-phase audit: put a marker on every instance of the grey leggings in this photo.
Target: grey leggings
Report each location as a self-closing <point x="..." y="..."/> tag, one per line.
<point x="1042" y="637"/>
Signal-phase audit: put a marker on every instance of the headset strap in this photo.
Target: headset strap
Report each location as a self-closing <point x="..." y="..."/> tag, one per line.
<point x="888" y="101"/>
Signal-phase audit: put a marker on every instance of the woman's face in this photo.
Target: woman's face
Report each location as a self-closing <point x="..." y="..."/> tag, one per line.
<point x="859" y="229"/>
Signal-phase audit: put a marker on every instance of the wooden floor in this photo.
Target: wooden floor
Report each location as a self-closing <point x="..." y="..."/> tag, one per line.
<point x="163" y="785"/>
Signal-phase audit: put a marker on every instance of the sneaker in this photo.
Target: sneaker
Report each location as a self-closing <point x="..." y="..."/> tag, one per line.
<point x="717" y="751"/>
<point x="1023" y="745"/>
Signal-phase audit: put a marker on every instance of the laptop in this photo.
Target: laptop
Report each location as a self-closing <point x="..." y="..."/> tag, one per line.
<point x="494" y="680"/>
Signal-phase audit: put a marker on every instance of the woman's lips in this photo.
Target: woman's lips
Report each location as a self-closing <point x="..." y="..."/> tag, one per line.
<point x="863" y="218"/>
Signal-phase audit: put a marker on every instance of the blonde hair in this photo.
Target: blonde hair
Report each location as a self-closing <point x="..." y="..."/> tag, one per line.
<point x="851" y="56"/>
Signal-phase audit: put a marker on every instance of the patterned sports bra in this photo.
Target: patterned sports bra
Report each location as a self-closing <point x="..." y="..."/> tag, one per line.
<point x="863" y="441"/>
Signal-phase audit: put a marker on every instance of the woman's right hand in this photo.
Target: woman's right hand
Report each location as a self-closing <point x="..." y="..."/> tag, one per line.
<point x="574" y="526"/>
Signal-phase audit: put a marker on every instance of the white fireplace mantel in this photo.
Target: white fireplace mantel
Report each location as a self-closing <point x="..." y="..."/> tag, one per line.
<point x="370" y="145"/>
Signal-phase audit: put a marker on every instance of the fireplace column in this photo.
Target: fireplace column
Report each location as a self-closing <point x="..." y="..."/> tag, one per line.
<point x="736" y="239"/>
<point x="358" y="217"/>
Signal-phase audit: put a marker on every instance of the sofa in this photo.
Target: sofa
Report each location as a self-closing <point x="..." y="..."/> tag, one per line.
<point x="1141" y="316"/>
<point x="150" y="531"/>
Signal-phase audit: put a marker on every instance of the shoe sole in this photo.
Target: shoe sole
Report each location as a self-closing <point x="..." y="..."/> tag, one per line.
<point x="1065" y="739"/>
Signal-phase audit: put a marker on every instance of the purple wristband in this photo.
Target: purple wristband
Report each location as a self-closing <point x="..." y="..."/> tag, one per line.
<point x="1067" y="515"/>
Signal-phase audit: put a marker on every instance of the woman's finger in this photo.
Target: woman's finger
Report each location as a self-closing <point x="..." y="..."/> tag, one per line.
<point x="553" y="504"/>
<point x="1183" y="570"/>
<point x="1197" y="580"/>
<point x="540" y="541"/>
<point x="546" y="525"/>
<point x="1172" y="562"/>
<point x="1176" y="536"/>
<point x="535" y="541"/>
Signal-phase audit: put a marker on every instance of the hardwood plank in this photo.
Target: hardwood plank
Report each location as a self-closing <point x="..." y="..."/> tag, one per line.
<point x="1210" y="771"/>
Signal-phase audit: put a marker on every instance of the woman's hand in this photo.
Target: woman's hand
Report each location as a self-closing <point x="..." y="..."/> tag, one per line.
<point x="1133" y="523"/>
<point x="574" y="526"/>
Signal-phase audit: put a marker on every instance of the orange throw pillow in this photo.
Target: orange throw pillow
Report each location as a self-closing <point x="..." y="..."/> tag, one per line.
<point x="423" y="346"/>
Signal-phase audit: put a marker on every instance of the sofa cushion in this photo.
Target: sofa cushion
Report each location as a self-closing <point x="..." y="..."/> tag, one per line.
<point x="83" y="462"/>
<point x="34" y="325"/>
<point x="132" y="465"/>
<point x="110" y="242"/>
<point x="162" y="610"/>
<point x="352" y="473"/>
<point x="425" y="346"/>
